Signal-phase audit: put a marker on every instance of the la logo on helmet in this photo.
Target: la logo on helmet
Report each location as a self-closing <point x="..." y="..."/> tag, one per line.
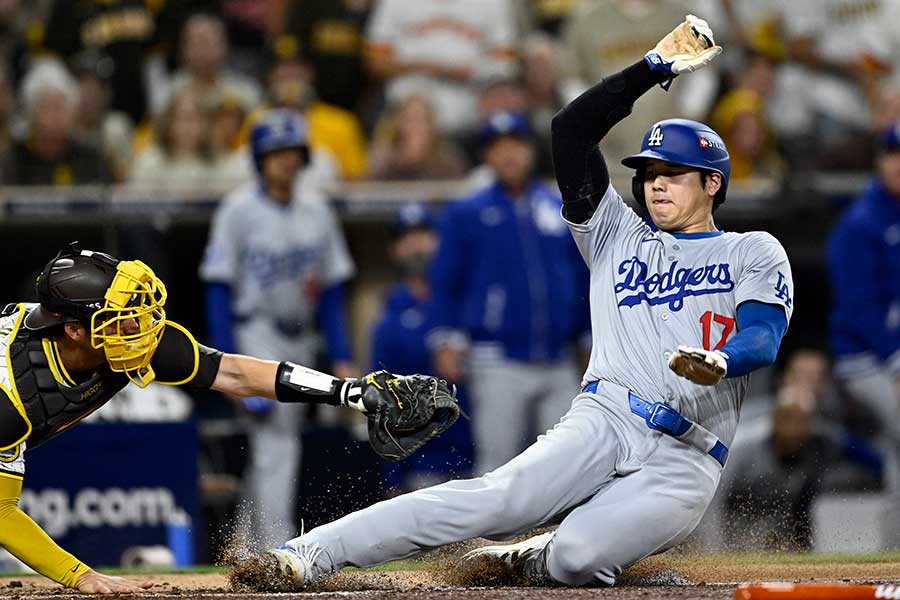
<point x="656" y="136"/>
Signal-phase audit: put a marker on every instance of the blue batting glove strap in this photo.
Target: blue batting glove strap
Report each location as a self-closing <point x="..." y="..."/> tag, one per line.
<point x="656" y="63"/>
<point x="258" y="405"/>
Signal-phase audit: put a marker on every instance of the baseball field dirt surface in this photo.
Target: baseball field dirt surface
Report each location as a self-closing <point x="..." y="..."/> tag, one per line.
<point x="666" y="576"/>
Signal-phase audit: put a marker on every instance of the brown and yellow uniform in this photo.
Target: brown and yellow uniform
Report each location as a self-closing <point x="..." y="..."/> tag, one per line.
<point x="39" y="399"/>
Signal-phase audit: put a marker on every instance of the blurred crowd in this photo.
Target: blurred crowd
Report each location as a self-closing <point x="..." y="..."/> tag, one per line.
<point x="160" y="94"/>
<point x="163" y="96"/>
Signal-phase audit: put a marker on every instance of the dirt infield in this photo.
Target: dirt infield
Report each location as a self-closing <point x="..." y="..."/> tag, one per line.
<point x="669" y="576"/>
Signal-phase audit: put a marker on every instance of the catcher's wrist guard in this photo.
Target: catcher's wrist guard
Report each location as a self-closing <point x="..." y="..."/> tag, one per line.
<point x="296" y="383"/>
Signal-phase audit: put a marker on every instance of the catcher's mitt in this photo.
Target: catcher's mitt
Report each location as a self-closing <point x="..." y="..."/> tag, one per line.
<point x="405" y="411"/>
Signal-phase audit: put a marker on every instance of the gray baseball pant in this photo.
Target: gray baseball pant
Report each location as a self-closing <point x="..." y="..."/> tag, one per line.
<point x="625" y="492"/>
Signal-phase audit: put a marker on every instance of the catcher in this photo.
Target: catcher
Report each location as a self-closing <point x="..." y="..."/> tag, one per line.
<point x="101" y="324"/>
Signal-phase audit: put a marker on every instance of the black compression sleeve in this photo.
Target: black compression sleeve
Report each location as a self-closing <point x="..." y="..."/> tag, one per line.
<point x="577" y="129"/>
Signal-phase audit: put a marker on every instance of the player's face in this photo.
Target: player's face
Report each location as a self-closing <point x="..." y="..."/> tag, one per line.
<point x="511" y="159"/>
<point x="889" y="172"/>
<point x="281" y="167"/>
<point x="676" y="197"/>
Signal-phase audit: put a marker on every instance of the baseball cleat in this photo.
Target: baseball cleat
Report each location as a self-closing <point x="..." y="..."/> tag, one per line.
<point x="295" y="567"/>
<point x="513" y="554"/>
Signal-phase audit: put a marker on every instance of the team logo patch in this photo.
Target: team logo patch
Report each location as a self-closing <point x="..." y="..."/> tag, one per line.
<point x="782" y="291"/>
<point x="672" y="286"/>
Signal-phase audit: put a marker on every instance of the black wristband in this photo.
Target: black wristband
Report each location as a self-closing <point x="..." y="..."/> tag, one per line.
<point x="295" y="383"/>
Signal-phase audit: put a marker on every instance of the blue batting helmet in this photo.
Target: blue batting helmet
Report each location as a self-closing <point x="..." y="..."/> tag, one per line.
<point x="682" y="142"/>
<point x="278" y="129"/>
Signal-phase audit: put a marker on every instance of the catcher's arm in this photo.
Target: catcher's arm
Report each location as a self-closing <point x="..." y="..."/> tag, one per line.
<point x="245" y="376"/>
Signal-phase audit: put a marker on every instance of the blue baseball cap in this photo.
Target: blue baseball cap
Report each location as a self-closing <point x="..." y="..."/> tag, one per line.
<point x="414" y="215"/>
<point x="889" y="140"/>
<point x="504" y="123"/>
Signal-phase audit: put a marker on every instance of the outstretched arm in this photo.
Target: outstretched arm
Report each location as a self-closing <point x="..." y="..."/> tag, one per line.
<point x="576" y="130"/>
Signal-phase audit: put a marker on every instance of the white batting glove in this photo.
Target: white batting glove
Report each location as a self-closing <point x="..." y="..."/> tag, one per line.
<point x="703" y="367"/>
<point x="686" y="48"/>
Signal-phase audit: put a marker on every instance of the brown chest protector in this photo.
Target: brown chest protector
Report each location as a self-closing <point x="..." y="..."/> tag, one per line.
<point x="52" y="407"/>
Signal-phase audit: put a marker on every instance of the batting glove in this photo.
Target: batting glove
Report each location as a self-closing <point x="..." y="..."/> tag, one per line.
<point x="703" y="367"/>
<point x="686" y="48"/>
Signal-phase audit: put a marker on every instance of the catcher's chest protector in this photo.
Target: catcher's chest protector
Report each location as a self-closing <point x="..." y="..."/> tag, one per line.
<point x="50" y="405"/>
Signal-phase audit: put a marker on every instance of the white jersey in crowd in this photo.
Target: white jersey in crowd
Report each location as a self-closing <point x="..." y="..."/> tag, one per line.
<point x="478" y="34"/>
<point x="652" y="291"/>
<point x="276" y="258"/>
<point x="844" y="32"/>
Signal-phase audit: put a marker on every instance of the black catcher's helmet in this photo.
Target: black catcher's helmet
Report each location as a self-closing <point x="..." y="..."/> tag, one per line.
<point x="72" y="287"/>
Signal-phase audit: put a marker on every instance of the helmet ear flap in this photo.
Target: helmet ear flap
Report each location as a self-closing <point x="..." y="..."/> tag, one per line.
<point x="637" y="187"/>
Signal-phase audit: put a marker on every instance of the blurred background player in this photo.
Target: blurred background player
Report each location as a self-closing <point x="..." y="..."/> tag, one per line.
<point x="864" y="265"/>
<point x="510" y="298"/>
<point x="398" y="345"/>
<point x="275" y="266"/>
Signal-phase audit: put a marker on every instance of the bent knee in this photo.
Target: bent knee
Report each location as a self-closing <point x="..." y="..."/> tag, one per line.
<point x="576" y="559"/>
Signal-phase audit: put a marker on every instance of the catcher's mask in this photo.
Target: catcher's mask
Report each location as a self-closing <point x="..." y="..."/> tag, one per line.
<point x="120" y="302"/>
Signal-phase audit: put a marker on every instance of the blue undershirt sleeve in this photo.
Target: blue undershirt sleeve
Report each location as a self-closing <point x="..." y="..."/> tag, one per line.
<point x="333" y="322"/>
<point x="760" y="329"/>
<point x="219" y="320"/>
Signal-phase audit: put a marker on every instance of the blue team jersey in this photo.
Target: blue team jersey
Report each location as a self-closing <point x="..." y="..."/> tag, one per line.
<point x="508" y="272"/>
<point x="864" y="267"/>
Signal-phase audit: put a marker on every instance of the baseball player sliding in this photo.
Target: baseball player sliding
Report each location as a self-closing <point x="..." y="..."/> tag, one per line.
<point x="681" y="314"/>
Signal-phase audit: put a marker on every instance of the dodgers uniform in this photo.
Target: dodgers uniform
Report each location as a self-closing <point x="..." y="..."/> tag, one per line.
<point x="277" y="260"/>
<point x="631" y="468"/>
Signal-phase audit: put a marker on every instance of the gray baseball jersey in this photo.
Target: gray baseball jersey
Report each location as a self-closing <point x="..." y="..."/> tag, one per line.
<point x="652" y="291"/>
<point x="276" y="258"/>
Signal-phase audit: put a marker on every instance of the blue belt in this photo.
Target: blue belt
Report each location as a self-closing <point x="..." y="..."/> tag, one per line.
<point x="661" y="417"/>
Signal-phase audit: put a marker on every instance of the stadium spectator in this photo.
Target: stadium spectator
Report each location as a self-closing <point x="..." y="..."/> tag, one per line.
<point x="510" y="298"/>
<point x="407" y="145"/>
<point x="741" y="118"/>
<point x="96" y="125"/>
<point x="398" y="345"/>
<point x="49" y="154"/>
<point x="544" y="15"/>
<point x="14" y="28"/>
<point x="182" y="158"/>
<point x="542" y="79"/>
<point x="841" y="51"/>
<point x="864" y="267"/>
<point x="441" y="48"/>
<point x="203" y="69"/>
<point x="226" y="128"/>
<point x="602" y="37"/>
<point x="335" y="134"/>
<point x="331" y="34"/>
<point x="124" y="31"/>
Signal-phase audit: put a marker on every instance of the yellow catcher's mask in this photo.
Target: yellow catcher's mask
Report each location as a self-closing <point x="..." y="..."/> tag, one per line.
<point x="130" y="325"/>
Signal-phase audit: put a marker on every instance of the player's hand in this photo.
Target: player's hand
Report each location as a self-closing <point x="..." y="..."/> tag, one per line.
<point x="93" y="582"/>
<point x="703" y="367"/>
<point x="686" y="48"/>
